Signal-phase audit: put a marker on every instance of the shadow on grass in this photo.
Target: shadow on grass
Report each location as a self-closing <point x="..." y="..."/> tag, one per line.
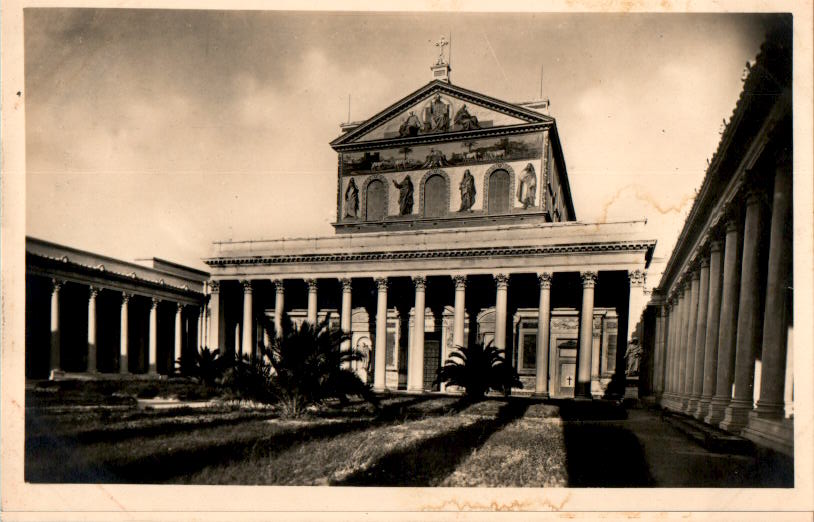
<point x="604" y="455"/>
<point x="429" y="461"/>
<point x="162" y="466"/>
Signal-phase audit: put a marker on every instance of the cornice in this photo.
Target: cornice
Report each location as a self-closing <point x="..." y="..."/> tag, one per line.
<point x="431" y="254"/>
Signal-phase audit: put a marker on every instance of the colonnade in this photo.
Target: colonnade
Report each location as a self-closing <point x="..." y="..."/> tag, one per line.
<point x="124" y="351"/>
<point x="730" y="307"/>
<point x="415" y="352"/>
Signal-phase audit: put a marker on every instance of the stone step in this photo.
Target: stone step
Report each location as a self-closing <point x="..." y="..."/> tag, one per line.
<point x="709" y="437"/>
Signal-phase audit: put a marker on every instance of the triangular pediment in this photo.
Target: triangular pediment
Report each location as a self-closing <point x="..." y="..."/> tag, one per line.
<point x="440" y="108"/>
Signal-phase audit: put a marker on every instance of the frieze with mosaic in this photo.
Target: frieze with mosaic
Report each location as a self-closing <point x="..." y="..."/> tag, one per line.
<point x="439" y="155"/>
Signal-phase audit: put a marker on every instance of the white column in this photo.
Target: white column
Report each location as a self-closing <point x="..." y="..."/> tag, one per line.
<point x="543" y="325"/>
<point x="152" y="347"/>
<point x="345" y="315"/>
<point x="727" y="329"/>
<point x="737" y="413"/>
<point x="658" y="355"/>
<point x="636" y="301"/>
<point x="55" y="364"/>
<point x="248" y="319"/>
<point x="689" y="353"/>
<point x="177" y="351"/>
<point x="586" y="327"/>
<point x="312" y="301"/>
<point x="459" y="312"/>
<point x="124" y="330"/>
<point x="92" y="355"/>
<point x="700" y="339"/>
<point x="200" y="330"/>
<point x="279" y="304"/>
<point x="214" y="316"/>
<point x="379" y="360"/>
<point x="502" y="287"/>
<point x="415" y="359"/>
<point x="770" y="405"/>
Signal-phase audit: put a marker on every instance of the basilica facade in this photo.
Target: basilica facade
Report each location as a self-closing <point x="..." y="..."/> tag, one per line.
<point x="454" y="225"/>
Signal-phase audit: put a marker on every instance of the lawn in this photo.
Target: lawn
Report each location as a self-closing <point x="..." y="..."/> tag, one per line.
<point x="409" y="441"/>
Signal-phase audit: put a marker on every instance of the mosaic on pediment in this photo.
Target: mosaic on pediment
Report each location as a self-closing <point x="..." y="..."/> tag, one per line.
<point x="439" y="155"/>
<point x="440" y="113"/>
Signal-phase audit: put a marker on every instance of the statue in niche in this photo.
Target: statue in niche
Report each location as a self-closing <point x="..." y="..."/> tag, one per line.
<point x="466" y="120"/>
<point x="633" y="357"/>
<point x="405" y="196"/>
<point x="438" y="115"/>
<point x="352" y="200"/>
<point x="410" y="126"/>
<point x="527" y="188"/>
<point x="467" y="191"/>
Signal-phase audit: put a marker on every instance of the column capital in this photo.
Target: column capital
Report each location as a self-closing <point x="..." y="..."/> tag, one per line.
<point x="705" y="261"/>
<point x="278" y="285"/>
<point x="346" y="283"/>
<point x="588" y="279"/>
<point x="154" y="302"/>
<point x="214" y="286"/>
<point x="544" y="279"/>
<point x="126" y="298"/>
<point x="382" y="283"/>
<point x="94" y="291"/>
<point x="501" y="280"/>
<point x="56" y="284"/>
<point x="695" y="274"/>
<point x="247" y="285"/>
<point x="312" y="284"/>
<point x="637" y="278"/>
<point x="755" y="195"/>
<point x="420" y="282"/>
<point x="179" y="307"/>
<point x="715" y="245"/>
<point x="460" y="282"/>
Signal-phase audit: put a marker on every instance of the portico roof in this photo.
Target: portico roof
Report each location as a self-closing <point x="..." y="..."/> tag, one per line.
<point x="516" y="248"/>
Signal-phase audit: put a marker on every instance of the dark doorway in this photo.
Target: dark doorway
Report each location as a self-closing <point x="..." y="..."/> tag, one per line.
<point x="432" y="360"/>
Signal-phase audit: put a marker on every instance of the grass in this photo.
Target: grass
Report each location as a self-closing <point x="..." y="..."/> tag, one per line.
<point x="425" y="440"/>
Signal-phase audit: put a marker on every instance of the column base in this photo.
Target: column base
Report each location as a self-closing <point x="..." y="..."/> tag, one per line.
<point x="685" y="402"/>
<point x="702" y="409"/>
<point x="692" y="406"/>
<point x="152" y="370"/>
<point x="583" y="390"/>
<point x="775" y="432"/>
<point x="540" y="395"/>
<point x="717" y="410"/>
<point x="379" y="389"/>
<point x="123" y="364"/>
<point x="736" y="415"/>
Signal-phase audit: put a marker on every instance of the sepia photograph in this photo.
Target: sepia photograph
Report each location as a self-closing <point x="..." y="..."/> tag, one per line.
<point x="532" y="252"/>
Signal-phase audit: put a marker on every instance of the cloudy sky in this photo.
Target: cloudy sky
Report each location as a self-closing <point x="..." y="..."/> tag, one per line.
<point x="154" y="133"/>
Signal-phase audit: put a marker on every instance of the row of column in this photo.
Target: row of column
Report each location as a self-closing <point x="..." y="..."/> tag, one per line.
<point x="55" y="362"/>
<point x="415" y="363"/>
<point x="708" y="333"/>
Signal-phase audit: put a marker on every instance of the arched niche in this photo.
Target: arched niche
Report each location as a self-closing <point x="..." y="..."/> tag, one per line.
<point x="498" y="189"/>
<point x="374" y="199"/>
<point x="434" y="194"/>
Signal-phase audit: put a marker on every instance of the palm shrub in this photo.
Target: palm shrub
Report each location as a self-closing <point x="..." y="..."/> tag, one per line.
<point x="478" y="369"/>
<point x="307" y="365"/>
<point x="206" y="365"/>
